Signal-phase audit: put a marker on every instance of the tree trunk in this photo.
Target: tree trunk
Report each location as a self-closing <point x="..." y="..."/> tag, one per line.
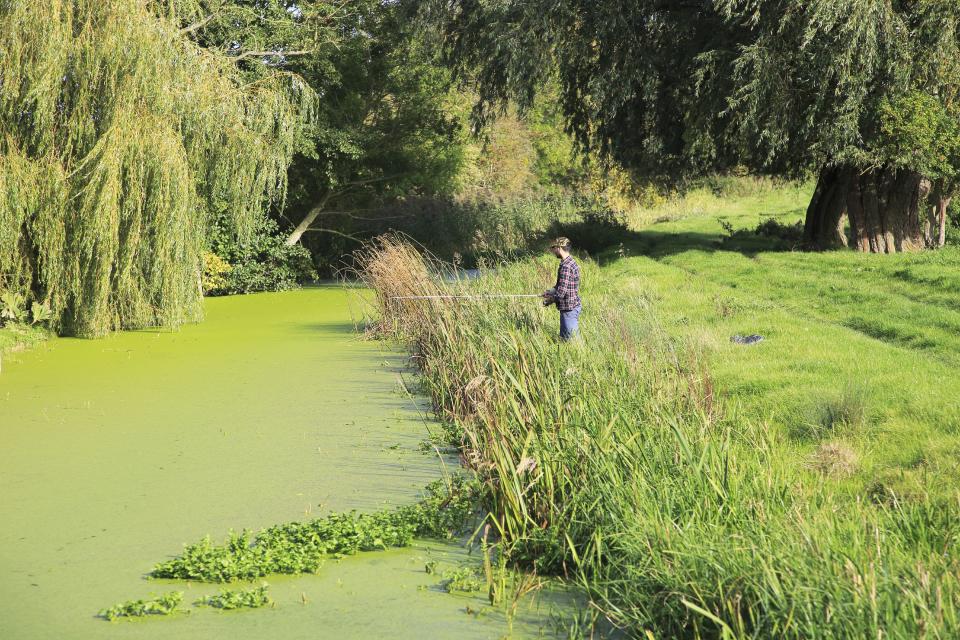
<point x="823" y="228"/>
<point x="942" y="236"/>
<point x="936" y="226"/>
<point x="885" y="208"/>
<point x="308" y="219"/>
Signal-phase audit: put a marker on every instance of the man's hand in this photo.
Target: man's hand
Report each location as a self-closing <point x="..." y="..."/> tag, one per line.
<point x="548" y="297"/>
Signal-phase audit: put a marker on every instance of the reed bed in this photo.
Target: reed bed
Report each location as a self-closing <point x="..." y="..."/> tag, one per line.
<point x="611" y="462"/>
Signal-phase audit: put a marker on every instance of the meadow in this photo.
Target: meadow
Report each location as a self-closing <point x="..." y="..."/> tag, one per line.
<point x="800" y="487"/>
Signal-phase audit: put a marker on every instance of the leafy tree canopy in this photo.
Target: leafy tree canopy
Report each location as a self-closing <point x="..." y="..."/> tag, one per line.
<point x="119" y="137"/>
<point x="782" y="86"/>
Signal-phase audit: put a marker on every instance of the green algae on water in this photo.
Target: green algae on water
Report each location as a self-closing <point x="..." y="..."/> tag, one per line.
<point x="115" y="452"/>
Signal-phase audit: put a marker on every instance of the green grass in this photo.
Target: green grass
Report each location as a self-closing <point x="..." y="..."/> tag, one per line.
<point x="802" y="487"/>
<point x="888" y="326"/>
<point x="18" y="337"/>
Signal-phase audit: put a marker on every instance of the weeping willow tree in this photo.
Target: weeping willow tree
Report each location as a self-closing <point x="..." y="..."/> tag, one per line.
<point x="119" y="137"/>
<point x="863" y="93"/>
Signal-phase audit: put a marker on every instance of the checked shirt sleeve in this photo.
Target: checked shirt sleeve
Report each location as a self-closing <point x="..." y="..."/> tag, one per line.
<point x="565" y="280"/>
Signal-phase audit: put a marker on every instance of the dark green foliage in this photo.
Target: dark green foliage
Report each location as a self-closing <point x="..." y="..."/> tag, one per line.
<point x="383" y="130"/>
<point x="672" y="88"/>
<point x="238" y="599"/>
<point x="598" y="229"/>
<point x="302" y="547"/>
<point x="471" y="233"/>
<point x="626" y="73"/>
<point x="260" y="260"/>
<point x="953" y="225"/>
<point x="769" y="235"/>
<point x="162" y="606"/>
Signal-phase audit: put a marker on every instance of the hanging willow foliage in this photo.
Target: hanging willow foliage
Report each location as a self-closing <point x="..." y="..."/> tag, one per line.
<point x="118" y="139"/>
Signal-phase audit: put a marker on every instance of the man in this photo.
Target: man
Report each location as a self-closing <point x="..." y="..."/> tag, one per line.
<point x="566" y="294"/>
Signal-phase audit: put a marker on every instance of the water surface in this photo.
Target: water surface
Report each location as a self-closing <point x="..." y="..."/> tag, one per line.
<point x="115" y="452"/>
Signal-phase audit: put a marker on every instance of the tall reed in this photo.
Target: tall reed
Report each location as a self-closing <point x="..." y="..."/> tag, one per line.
<point x="611" y="461"/>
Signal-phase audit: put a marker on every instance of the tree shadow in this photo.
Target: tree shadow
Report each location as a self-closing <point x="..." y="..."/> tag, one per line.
<point x="660" y="244"/>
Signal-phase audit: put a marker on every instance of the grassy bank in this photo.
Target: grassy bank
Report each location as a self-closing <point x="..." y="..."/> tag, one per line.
<point x="801" y="487"/>
<point x="19" y="337"/>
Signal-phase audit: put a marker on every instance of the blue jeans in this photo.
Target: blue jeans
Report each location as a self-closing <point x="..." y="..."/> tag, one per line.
<point x="570" y="323"/>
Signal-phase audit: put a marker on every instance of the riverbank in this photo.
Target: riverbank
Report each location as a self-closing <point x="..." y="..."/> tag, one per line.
<point x="799" y="487"/>
<point x="20" y="337"/>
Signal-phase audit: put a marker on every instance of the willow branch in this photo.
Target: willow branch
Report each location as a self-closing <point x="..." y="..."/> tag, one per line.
<point x="267" y="54"/>
<point x="198" y="25"/>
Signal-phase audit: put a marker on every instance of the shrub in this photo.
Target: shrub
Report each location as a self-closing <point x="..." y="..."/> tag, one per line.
<point x="257" y="259"/>
<point x="14" y="310"/>
<point x="215" y="272"/>
<point x="12" y="307"/>
<point x="953" y="223"/>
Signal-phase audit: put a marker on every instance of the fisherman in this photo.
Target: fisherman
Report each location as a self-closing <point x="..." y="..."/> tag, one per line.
<point x="566" y="294"/>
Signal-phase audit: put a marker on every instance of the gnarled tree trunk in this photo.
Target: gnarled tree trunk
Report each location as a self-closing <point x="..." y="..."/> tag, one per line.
<point x="887" y="210"/>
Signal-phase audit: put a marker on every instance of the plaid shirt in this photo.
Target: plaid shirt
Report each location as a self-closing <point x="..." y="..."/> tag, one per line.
<point x="568" y="285"/>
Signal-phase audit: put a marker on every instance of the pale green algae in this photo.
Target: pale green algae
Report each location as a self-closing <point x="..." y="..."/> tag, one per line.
<point x="115" y="452"/>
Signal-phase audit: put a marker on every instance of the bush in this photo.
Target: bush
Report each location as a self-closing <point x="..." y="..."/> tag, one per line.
<point x="259" y="260"/>
<point x="14" y="309"/>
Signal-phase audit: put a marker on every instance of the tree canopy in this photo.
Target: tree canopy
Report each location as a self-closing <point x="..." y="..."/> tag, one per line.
<point x="119" y="137"/>
<point x="864" y="90"/>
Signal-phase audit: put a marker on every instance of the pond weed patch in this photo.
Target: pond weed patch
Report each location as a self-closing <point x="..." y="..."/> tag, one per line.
<point x="238" y="598"/>
<point x="161" y="605"/>
<point x="302" y="547"/>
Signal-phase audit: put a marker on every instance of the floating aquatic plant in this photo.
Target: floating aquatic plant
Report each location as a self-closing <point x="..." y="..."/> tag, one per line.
<point x="162" y="605"/>
<point x="302" y="547"/>
<point x="238" y="598"/>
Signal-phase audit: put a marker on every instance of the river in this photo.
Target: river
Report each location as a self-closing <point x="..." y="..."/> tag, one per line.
<point x="116" y="452"/>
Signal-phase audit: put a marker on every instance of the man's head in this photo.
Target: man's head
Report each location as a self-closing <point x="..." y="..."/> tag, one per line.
<point x="560" y="247"/>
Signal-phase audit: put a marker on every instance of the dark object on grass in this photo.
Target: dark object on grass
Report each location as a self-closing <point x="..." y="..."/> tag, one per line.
<point x="751" y="339"/>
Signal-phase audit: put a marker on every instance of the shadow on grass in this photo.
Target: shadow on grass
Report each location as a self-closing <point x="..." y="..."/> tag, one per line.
<point x="658" y="244"/>
<point x="606" y="237"/>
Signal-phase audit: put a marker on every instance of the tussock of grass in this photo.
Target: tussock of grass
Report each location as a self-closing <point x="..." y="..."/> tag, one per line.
<point x="19" y="337"/>
<point x="834" y="459"/>
<point x="613" y="461"/>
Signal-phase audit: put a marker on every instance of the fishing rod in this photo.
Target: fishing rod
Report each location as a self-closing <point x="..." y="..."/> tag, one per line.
<point x="469" y="297"/>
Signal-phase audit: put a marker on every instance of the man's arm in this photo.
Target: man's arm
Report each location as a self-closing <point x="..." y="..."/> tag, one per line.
<point x="564" y="281"/>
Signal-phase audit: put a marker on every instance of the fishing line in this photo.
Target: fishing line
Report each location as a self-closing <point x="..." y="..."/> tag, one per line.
<point x="477" y="296"/>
